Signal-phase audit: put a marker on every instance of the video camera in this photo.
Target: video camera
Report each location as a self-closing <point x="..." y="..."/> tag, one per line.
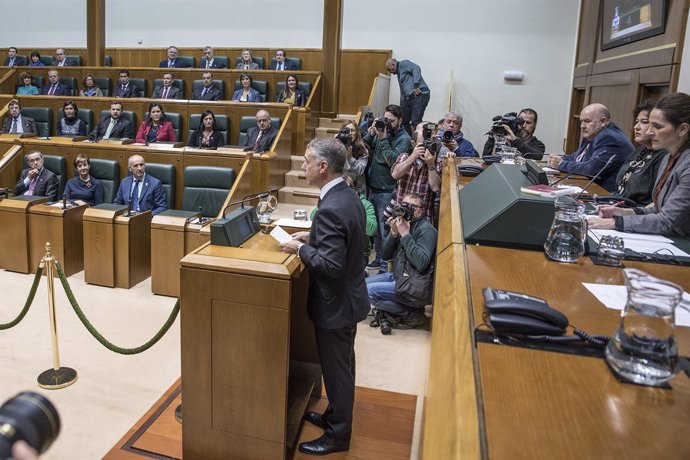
<point x="28" y="417"/>
<point x="511" y="120"/>
<point x="432" y="144"/>
<point x="344" y="136"/>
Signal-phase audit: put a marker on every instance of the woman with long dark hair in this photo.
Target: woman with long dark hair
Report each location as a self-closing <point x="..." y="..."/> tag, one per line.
<point x="207" y="135"/>
<point x="70" y="124"/>
<point x="156" y="127"/>
<point x="291" y="94"/>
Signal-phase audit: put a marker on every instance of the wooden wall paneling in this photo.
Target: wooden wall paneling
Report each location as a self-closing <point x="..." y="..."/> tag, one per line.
<point x="656" y="75"/>
<point x="576" y="105"/>
<point x="587" y="32"/>
<point x="95" y="32"/>
<point x="657" y="57"/>
<point x="357" y="70"/>
<point x="8" y="80"/>
<point x="620" y="100"/>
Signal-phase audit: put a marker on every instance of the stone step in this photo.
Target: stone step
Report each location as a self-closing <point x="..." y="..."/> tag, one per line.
<point x="326" y="132"/>
<point x="296" y="162"/>
<point x="296" y="178"/>
<point x="299" y="195"/>
<point x="335" y="122"/>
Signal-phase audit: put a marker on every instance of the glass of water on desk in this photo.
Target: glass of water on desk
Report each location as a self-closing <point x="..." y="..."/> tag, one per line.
<point x="566" y="239"/>
<point x="643" y="349"/>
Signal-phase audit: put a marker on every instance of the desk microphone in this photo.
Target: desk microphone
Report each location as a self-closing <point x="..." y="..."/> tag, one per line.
<point x="64" y="201"/>
<point x="561" y="179"/>
<point x="596" y="176"/>
<point x="250" y="197"/>
<point x="201" y="219"/>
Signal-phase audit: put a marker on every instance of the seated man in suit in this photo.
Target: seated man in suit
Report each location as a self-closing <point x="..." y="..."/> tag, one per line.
<point x="54" y="87"/>
<point x="61" y="59"/>
<point x="208" y="92"/>
<point x="16" y="123"/>
<point x="167" y="91"/>
<point x="261" y="138"/>
<point x="172" y="60"/>
<point x="142" y="191"/>
<point x="12" y="59"/>
<point x="114" y="126"/>
<point x="37" y="180"/>
<point x="279" y="62"/>
<point x="124" y="87"/>
<point x="603" y="150"/>
<point x="208" y="61"/>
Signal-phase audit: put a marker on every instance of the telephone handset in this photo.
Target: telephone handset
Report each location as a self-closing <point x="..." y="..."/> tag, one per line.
<point x="515" y="313"/>
<point x="469" y="170"/>
<point x="615" y="200"/>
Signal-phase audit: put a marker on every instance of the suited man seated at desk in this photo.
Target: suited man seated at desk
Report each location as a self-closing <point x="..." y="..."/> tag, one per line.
<point x="13" y="59"/>
<point x="124" y="87"/>
<point x="172" y="60"/>
<point x="261" y="138"/>
<point x="16" y="123"/>
<point x="54" y="87"/>
<point x="208" y="61"/>
<point x="142" y="191"/>
<point x="114" y="126"/>
<point x="37" y="180"/>
<point x="279" y="62"/>
<point x="167" y="91"/>
<point x="61" y="59"/>
<point x="208" y="92"/>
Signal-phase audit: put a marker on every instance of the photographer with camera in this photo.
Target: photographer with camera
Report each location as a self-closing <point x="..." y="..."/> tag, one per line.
<point x="357" y="154"/>
<point x="386" y="141"/>
<point x="452" y="137"/>
<point x="412" y="240"/>
<point x="518" y="132"/>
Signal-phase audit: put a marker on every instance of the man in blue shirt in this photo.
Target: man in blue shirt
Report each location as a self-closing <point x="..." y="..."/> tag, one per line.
<point x="452" y="122"/>
<point x="414" y="93"/>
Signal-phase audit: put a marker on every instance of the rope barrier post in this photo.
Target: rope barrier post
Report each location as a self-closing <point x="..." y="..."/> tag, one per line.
<point x="57" y="377"/>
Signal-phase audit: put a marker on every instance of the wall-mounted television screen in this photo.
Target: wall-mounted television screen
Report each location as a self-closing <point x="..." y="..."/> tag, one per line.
<point x="627" y="21"/>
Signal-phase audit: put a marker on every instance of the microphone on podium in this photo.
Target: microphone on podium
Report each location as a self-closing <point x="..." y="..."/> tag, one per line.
<point x="596" y="176"/>
<point x="250" y="197"/>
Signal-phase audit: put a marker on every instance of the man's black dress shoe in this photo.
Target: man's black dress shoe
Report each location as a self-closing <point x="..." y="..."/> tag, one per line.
<point x="315" y="419"/>
<point x="323" y="446"/>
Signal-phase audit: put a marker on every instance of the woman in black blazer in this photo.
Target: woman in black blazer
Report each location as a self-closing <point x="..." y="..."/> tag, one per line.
<point x="291" y="94"/>
<point x="207" y="135"/>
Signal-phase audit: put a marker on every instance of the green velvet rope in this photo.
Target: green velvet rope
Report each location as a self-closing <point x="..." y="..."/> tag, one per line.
<point x="109" y="345"/>
<point x="29" y="301"/>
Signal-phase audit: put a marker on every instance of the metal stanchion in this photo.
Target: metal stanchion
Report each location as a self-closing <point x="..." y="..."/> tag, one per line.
<point x="57" y="377"/>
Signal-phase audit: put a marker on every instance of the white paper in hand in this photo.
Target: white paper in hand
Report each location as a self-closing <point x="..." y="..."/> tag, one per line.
<point x="280" y="235"/>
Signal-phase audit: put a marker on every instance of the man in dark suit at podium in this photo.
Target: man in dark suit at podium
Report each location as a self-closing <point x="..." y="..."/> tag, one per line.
<point x="143" y="191"/>
<point x="337" y="299"/>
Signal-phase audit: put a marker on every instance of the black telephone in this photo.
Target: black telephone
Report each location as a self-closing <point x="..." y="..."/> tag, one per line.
<point x="491" y="159"/>
<point x="613" y="199"/>
<point x="515" y="313"/>
<point x="469" y="171"/>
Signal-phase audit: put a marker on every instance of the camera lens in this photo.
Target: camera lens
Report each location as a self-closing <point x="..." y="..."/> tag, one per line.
<point x="447" y="136"/>
<point x="29" y="417"/>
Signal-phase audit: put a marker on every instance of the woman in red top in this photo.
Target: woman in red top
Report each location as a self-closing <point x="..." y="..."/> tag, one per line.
<point x="156" y="127"/>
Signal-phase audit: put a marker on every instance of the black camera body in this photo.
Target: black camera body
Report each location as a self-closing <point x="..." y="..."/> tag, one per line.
<point x="511" y="120"/>
<point x="403" y="210"/>
<point x="382" y="123"/>
<point x="344" y="136"/>
<point x="428" y="130"/>
<point x="447" y="136"/>
<point x="433" y="145"/>
<point x="29" y="417"/>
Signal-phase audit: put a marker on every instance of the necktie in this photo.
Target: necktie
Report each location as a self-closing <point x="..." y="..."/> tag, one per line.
<point x="109" y="131"/>
<point x="13" y="129"/>
<point x="280" y="66"/>
<point x="51" y="92"/>
<point x="258" y="138"/>
<point x="165" y="92"/>
<point x="134" y="196"/>
<point x="582" y="154"/>
<point x="208" y="64"/>
<point x="32" y="186"/>
<point x="203" y="93"/>
<point x="11" y="62"/>
<point x="170" y="63"/>
<point x="124" y="88"/>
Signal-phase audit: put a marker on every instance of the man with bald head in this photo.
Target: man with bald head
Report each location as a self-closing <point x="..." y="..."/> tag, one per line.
<point x="603" y="145"/>
<point x="144" y="192"/>
<point x="260" y="139"/>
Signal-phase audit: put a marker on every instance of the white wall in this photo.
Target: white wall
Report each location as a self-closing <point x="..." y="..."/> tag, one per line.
<point x="476" y="40"/>
<point x="684" y="74"/>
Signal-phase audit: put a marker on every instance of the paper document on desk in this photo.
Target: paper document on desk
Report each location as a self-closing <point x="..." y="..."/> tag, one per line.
<point x="294" y="223"/>
<point x="641" y="242"/>
<point x="280" y="235"/>
<point x="614" y="297"/>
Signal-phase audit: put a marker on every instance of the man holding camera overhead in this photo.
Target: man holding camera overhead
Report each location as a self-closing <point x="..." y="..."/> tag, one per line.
<point x="387" y="140"/>
<point x="411" y="238"/>
<point x="520" y="135"/>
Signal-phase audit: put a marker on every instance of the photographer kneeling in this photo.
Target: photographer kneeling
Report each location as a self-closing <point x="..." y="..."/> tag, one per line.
<point x="517" y="131"/>
<point x="411" y="243"/>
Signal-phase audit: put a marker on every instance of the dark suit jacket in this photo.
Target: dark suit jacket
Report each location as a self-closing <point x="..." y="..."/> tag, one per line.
<point x="28" y="125"/>
<point x="177" y="63"/>
<point x="337" y="291"/>
<point x="214" y="65"/>
<point x="60" y="90"/>
<point x="173" y="93"/>
<point x="254" y="95"/>
<point x="300" y="98"/>
<point x="211" y="95"/>
<point x="46" y="185"/>
<point x="152" y="197"/>
<point x="68" y="62"/>
<point x="288" y="65"/>
<point x="123" y="128"/>
<point x="131" y="90"/>
<point x="18" y="60"/>
<point x="610" y="143"/>
<point x="266" y="140"/>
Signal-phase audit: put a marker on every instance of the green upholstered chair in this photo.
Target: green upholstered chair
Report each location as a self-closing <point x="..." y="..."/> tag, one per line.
<point x="206" y="187"/>
<point x="142" y="84"/>
<point x="218" y="84"/>
<point x="166" y="174"/>
<point x="222" y="123"/>
<point x="188" y="61"/>
<point x="105" y="84"/>
<point x="58" y="166"/>
<point x="108" y="172"/>
<point x="71" y="85"/>
<point x="260" y="85"/>
<point x="247" y="122"/>
<point x="43" y="116"/>
<point x="258" y="59"/>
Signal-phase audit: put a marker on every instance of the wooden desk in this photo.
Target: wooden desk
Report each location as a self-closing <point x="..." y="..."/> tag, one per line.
<point x="117" y="248"/>
<point x="62" y="228"/>
<point x="248" y="350"/>
<point x="14" y="244"/>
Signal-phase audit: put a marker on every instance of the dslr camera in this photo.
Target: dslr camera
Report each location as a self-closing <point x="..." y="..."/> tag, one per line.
<point x="403" y="210"/>
<point x="511" y="120"/>
<point x="28" y="417"/>
<point x="432" y="144"/>
<point x="344" y="136"/>
<point x="382" y="123"/>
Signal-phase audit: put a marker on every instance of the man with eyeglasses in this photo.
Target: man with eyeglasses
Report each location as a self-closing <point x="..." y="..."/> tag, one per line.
<point x="261" y="138"/>
<point x="61" y="59"/>
<point x="412" y="238"/>
<point x="37" y="180"/>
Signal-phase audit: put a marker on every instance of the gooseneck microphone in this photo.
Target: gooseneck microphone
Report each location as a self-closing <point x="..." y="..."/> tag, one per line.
<point x="250" y="197"/>
<point x="596" y="176"/>
<point x="561" y="179"/>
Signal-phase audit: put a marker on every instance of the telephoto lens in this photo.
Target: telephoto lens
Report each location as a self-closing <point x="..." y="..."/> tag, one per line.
<point x="29" y="417"/>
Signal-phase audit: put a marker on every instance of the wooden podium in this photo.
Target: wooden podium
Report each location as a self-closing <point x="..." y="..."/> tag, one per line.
<point x="63" y="229"/>
<point x="174" y="234"/>
<point x="249" y="359"/>
<point x="14" y="222"/>
<point x="117" y="248"/>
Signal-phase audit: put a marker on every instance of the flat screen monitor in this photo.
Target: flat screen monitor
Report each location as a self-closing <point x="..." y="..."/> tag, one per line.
<point x="236" y="228"/>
